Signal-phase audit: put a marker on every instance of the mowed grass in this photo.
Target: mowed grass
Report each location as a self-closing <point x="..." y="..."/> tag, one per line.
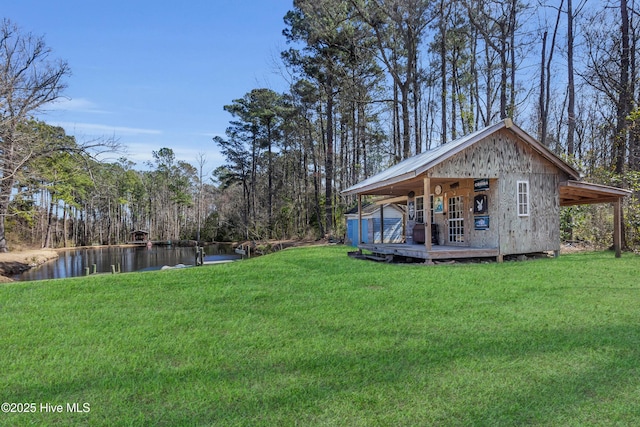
<point x="311" y="337"/>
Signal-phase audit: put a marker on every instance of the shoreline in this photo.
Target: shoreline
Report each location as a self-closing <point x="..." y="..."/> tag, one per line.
<point x="16" y="262"/>
<point x="12" y="263"/>
<point x="19" y="261"/>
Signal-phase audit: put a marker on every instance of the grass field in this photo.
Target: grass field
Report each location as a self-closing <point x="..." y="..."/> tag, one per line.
<point x="309" y="337"/>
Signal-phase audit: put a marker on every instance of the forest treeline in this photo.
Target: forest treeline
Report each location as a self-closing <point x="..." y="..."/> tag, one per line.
<point x="372" y="82"/>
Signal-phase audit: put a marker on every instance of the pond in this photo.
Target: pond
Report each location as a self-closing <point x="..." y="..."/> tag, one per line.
<point x="72" y="263"/>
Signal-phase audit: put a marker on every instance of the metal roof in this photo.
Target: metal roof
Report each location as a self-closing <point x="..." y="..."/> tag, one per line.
<point x="372" y="208"/>
<point x="418" y="164"/>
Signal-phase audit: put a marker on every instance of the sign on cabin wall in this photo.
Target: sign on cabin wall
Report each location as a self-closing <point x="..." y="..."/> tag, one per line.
<point x="481" y="184"/>
<point x="480" y="204"/>
<point x="438" y="205"/>
<point x="481" y="222"/>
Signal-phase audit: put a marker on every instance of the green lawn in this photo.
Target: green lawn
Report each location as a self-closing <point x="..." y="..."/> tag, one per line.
<point x="310" y="337"/>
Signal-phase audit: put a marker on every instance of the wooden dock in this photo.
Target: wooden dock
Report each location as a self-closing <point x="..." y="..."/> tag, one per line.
<point x="153" y="242"/>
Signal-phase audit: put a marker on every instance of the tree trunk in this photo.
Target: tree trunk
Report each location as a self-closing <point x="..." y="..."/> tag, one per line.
<point x="504" y="73"/>
<point x="443" y="73"/>
<point x="542" y="110"/>
<point x="489" y="87"/>
<point x="511" y="109"/>
<point x="6" y="186"/>
<point x="47" y="233"/>
<point x="453" y="92"/>
<point x="362" y="119"/>
<point x="316" y="186"/>
<point x="270" y="178"/>
<point x="623" y="107"/>
<point x="64" y="226"/>
<point x="406" y="129"/>
<point x="417" y="123"/>
<point x="396" y="124"/>
<point x="328" y="162"/>
<point x="571" y="119"/>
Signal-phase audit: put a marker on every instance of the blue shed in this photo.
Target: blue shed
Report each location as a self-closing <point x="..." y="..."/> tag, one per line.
<point x="393" y="217"/>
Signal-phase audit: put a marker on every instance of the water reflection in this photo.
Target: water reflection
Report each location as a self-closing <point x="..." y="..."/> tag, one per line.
<point x="72" y="263"/>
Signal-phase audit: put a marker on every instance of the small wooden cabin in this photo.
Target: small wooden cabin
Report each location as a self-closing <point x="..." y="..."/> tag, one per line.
<point x="379" y="223"/>
<point x="139" y="236"/>
<point x="492" y="193"/>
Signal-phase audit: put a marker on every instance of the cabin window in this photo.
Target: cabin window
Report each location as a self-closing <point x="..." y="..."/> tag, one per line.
<point x="523" y="198"/>
<point x="420" y="209"/>
<point x="431" y="208"/>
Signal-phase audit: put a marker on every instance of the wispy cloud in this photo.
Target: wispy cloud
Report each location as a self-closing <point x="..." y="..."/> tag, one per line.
<point x="94" y="128"/>
<point x="78" y="105"/>
<point x="141" y="153"/>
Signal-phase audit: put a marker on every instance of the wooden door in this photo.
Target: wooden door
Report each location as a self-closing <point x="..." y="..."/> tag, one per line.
<point x="455" y="223"/>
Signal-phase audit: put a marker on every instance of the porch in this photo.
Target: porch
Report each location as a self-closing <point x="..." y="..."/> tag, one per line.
<point x="419" y="251"/>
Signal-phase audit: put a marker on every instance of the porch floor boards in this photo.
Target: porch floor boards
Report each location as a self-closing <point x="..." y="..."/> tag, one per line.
<point x="436" y="252"/>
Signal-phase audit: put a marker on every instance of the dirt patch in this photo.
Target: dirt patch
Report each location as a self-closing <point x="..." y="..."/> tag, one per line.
<point x="264" y="247"/>
<point x="573" y="247"/>
<point x="12" y="263"/>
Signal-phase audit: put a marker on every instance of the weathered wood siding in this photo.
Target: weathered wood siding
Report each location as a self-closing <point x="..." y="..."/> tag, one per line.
<point x="540" y="230"/>
<point x="481" y="160"/>
<point x="506" y="160"/>
<point x="485" y="238"/>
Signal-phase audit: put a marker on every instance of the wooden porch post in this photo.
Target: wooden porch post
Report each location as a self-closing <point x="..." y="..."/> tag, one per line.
<point x="426" y="204"/>
<point x="617" y="226"/>
<point x="381" y="223"/>
<point x="359" y="219"/>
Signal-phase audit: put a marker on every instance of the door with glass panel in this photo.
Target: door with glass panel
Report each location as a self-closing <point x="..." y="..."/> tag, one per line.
<point x="456" y="220"/>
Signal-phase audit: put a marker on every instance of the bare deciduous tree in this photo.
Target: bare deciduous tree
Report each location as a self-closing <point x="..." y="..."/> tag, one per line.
<point x="29" y="79"/>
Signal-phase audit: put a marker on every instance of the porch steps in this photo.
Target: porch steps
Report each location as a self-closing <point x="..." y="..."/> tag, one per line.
<point x="373" y="257"/>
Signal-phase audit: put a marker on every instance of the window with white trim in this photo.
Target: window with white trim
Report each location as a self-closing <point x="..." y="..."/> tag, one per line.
<point x="420" y="209"/>
<point x="431" y="208"/>
<point x="523" y="198"/>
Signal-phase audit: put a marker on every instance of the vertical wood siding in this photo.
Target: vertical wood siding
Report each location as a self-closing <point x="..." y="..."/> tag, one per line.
<point x="505" y="159"/>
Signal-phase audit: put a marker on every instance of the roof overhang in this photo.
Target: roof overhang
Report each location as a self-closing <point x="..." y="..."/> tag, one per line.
<point x="392" y="186"/>
<point x="400" y="200"/>
<point x="584" y="193"/>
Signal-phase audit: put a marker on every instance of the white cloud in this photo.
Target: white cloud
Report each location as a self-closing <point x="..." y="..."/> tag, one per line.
<point x="78" y="105"/>
<point x="141" y="154"/>
<point x="94" y="128"/>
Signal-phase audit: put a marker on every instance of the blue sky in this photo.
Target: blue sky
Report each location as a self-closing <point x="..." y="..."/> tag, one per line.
<point x="156" y="74"/>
